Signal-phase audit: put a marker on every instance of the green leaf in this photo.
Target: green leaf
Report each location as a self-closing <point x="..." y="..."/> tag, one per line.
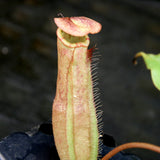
<point x="153" y="64"/>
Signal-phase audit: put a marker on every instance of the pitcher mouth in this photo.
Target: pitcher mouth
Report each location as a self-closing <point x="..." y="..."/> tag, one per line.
<point x="73" y="41"/>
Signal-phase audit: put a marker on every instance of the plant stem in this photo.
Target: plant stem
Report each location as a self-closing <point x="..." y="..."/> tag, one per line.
<point x="131" y="145"/>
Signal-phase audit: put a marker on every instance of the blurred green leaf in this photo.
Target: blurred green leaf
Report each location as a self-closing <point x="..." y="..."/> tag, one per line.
<point x="153" y="64"/>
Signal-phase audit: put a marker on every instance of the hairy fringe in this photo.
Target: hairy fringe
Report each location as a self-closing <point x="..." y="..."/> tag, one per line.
<point x="95" y="58"/>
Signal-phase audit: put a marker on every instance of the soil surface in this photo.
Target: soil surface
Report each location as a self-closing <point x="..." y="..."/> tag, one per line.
<point x="28" y="65"/>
